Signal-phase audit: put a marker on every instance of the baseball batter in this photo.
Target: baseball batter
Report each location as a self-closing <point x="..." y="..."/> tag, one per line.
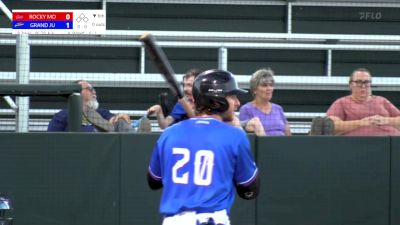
<point x="200" y="162"/>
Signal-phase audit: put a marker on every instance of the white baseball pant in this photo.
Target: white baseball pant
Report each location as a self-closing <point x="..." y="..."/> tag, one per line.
<point x="193" y="218"/>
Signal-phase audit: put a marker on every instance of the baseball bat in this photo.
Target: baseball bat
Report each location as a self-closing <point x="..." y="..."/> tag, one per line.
<point x="161" y="61"/>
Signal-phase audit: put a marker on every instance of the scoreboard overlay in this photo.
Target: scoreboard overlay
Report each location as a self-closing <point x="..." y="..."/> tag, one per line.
<point x="59" y="22"/>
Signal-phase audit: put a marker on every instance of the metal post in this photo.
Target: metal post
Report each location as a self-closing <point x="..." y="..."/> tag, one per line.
<point x="289" y="18"/>
<point x="223" y="58"/>
<point x="22" y="69"/>
<point x="8" y="13"/>
<point x="74" y="112"/>
<point x="104" y="4"/>
<point x="329" y="62"/>
<point x="142" y="59"/>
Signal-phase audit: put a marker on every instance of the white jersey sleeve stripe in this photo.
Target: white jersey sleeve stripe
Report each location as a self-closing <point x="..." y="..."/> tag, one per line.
<point x="251" y="178"/>
<point x="153" y="175"/>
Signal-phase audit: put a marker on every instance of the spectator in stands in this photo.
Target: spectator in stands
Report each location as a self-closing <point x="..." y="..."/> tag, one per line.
<point x="361" y="113"/>
<point x="93" y="118"/>
<point x="178" y="112"/>
<point x="261" y="113"/>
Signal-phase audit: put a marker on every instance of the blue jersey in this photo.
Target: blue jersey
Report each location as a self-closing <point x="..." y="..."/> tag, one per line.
<point x="178" y="113"/>
<point x="199" y="161"/>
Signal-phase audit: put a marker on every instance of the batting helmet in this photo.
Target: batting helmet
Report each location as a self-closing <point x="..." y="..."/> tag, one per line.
<point x="210" y="89"/>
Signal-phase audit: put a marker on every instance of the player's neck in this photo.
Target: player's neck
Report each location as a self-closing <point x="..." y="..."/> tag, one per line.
<point x="217" y="117"/>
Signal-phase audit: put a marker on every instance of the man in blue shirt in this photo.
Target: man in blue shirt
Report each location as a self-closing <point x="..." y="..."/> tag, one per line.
<point x="200" y="162"/>
<point x="178" y="113"/>
<point x="105" y="121"/>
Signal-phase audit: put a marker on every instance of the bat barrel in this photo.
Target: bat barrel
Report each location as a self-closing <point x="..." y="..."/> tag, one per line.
<point x="160" y="60"/>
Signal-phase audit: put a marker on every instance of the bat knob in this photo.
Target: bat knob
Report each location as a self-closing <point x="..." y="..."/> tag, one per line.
<point x="144" y="36"/>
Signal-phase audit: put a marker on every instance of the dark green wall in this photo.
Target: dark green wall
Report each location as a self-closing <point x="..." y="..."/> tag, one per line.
<point x="139" y="205"/>
<point x="61" y="179"/>
<point x="324" y="180"/>
<point x="65" y="179"/>
<point x="346" y="20"/>
<point x="395" y="182"/>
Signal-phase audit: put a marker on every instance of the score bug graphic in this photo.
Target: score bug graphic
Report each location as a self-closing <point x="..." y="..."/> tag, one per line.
<point x="42" y="20"/>
<point x="59" y="21"/>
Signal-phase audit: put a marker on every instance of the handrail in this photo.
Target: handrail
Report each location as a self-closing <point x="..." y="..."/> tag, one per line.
<point x="226" y="40"/>
<point x="340" y="3"/>
<point x="146" y="80"/>
<point x="71" y="91"/>
<point x="140" y="113"/>
<point x="208" y="2"/>
<point x="212" y="37"/>
<point x="51" y="112"/>
<point x="229" y="40"/>
<point x="36" y="124"/>
<point x="5" y="10"/>
<point x="40" y="125"/>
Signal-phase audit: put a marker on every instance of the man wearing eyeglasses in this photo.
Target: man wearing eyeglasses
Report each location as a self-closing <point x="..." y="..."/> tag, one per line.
<point x="94" y="119"/>
<point x="364" y="114"/>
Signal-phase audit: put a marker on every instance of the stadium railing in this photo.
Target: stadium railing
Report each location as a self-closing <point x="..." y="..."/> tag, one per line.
<point x="8" y="124"/>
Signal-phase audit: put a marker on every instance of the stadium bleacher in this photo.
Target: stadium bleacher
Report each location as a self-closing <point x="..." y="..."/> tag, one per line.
<point x="311" y="45"/>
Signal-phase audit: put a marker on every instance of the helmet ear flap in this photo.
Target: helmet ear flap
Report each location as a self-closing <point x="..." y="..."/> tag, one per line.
<point x="212" y="104"/>
<point x="218" y="104"/>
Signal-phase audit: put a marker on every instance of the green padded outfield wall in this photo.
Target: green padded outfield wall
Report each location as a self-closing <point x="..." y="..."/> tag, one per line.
<point x="85" y="179"/>
<point x="139" y="205"/>
<point x="73" y="179"/>
<point x="395" y="182"/>
<point x="324" y="180"/>
<point x="244" y="211"/>
<point x="61" y="179"/>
